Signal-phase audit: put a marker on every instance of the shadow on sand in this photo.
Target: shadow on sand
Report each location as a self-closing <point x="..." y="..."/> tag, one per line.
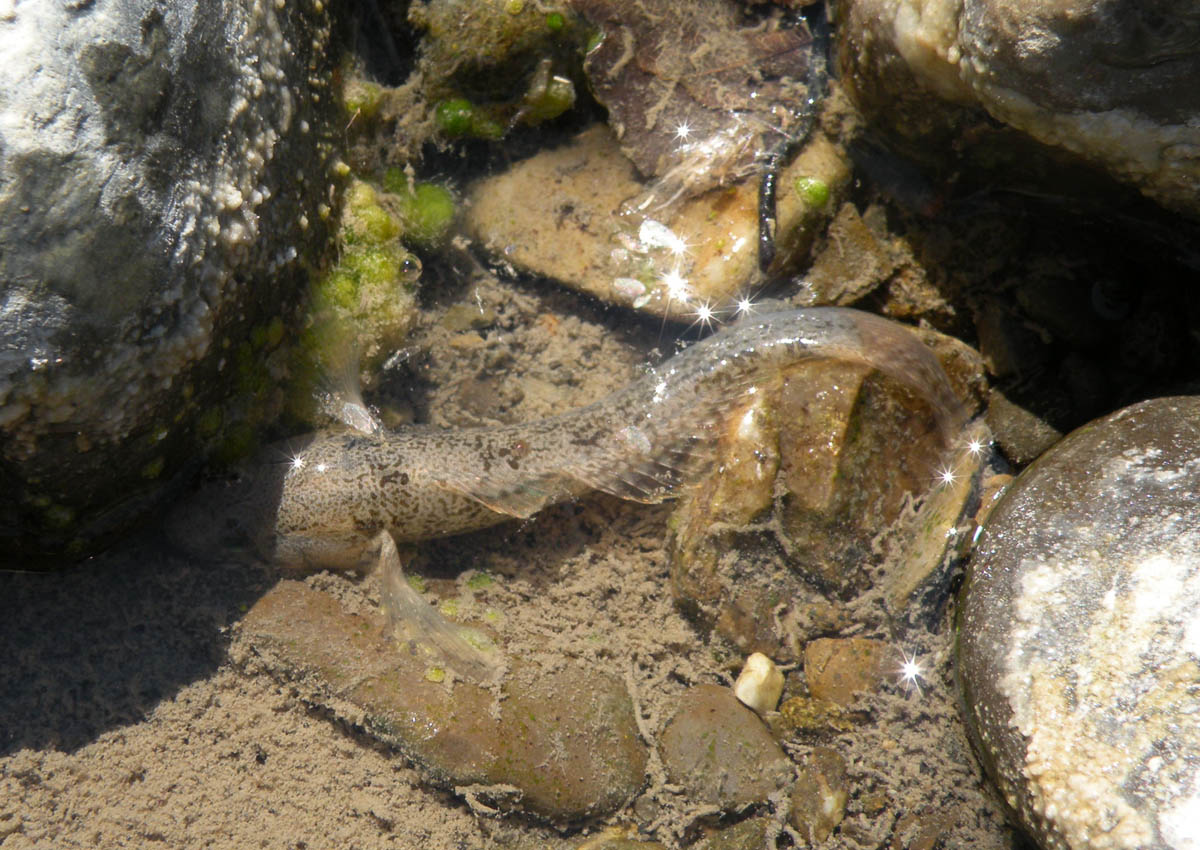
<point x="97" y="646"/>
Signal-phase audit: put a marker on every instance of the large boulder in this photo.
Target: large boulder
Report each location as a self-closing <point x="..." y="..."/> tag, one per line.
<point x="1113" y="81"/>
<point x="1079" y="636"/>
<point x="162" y="175"/>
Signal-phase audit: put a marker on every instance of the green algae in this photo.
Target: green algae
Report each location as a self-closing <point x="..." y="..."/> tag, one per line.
<point x="426" y="210"/>
<point x="361" y="98"/>
<point x="479" y="580"/>
<point x="360" y="310"/>
<point x="812" y="191"/>
<point x="460" y="118"/>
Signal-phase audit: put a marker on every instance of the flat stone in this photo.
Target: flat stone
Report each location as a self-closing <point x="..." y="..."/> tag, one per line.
<point x="558" y="214"/>
<point x="721" y="752"/>
<point x="562" y="745"/>
<point x="1077" y="636"/>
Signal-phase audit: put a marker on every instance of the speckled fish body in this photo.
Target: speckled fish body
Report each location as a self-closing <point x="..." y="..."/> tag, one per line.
<point x="320" y="500"/>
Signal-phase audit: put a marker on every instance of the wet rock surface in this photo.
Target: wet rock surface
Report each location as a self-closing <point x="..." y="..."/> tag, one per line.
<point x="704" y="250"/>
<point x="838" y="669"/>
<point x="823" y="465"/>
<point x="695" y="92"/>
<point x="1111" y="82"/>
<point x="562" y="745"/>
<point x="820" y="794"/>
<point x="1076" y="637"/>
<point x="721" y="752"/>
<point x="826" y="532"/>
<point x="161" y="162"/>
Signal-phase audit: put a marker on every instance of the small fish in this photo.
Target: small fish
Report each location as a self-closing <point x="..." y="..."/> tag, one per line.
<point x="340" y="498"/>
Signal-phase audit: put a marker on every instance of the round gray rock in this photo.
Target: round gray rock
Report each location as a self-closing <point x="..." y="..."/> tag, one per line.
<point x="161" y="171"/>
<point x="1079" y="635"/>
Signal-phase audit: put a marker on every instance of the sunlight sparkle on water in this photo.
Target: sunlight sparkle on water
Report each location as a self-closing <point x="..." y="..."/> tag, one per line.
<point x="911" y="672"/>
<point x="676" y="284"/>
<point x="744" y="306"/>
<point x="705" y="316"/>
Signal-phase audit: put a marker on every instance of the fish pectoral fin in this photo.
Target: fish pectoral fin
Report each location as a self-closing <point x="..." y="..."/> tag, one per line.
<point x="417" y="624"/>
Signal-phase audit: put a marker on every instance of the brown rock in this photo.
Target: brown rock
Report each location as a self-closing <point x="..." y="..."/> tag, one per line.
<point x="617" y="838"/>
<point x="750" y="834"/>
<point x="721" y="752"/>
<point x="922" y="830"/>
<point x="558" y="214"/>
<point x="564" y="744"/>
<point x="1021" y="433"/>
<point x="820" y="794"/>
<point x="839" y="668"/>
<point x="851" y="263"/>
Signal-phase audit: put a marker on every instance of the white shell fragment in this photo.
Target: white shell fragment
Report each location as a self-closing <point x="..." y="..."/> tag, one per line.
<point x="760" y="684"/>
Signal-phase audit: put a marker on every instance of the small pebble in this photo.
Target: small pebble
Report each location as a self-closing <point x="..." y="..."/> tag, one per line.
<point x="760" y="684"/>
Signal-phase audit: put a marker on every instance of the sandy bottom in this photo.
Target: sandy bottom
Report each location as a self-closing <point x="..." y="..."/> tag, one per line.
<point x="133" y="715"/>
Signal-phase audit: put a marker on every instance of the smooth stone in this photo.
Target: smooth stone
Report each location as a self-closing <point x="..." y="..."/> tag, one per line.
<point x="1113" y="82"/>
<point x="750" y="834"/>
<point x="721" y="752"/>
<point x="561" y="745"/>
<point x="1079" y="635"/>
<point x="617" y="838"/>
<point x="558" y="214"/>
<point x="838" y="669"/>
<point x="164" y="169"/>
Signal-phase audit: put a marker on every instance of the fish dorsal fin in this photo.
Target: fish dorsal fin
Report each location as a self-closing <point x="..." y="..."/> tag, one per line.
<point x="338" y="388"/>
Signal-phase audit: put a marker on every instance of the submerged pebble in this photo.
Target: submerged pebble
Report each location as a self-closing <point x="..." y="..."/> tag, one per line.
<point x="1079" y="635"/>
<point x="721" y="752"/>
<point x="820" y="794"/>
